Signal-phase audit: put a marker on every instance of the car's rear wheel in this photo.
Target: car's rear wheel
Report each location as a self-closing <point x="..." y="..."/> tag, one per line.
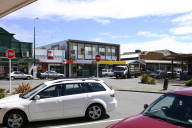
<point x="28" y="78"/>
<point x="95" y="112"/>
<point x="15" y="119"/>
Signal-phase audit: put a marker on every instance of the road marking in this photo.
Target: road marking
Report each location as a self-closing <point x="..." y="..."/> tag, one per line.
<point x="77" y="125"/>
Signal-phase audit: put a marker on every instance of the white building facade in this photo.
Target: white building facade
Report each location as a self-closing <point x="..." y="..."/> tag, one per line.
<point x="79" y="56"/>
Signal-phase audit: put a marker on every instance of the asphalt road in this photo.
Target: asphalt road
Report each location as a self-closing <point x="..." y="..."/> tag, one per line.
<point x="129" y="103"/>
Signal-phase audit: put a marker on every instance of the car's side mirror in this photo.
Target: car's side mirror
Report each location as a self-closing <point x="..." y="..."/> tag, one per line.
<point x="37" y="97"/>
<point x="146" y="106"/>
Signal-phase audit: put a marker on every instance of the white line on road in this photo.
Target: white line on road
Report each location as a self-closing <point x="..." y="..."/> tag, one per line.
<point x="77" y="125"/>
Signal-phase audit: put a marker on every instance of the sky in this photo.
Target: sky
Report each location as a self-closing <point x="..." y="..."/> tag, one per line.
<point x="146" y="25"/>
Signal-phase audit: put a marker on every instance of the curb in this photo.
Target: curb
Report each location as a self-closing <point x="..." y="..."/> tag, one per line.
<point x="142" y="91"/>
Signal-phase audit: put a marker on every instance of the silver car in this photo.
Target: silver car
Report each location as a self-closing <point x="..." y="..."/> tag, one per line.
<point x="20" y="75"/>
<point x="51" y="74"/>
<point x="107" y="72"/>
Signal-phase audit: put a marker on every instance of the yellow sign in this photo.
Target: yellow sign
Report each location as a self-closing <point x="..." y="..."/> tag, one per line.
<point x="111" y="62"/>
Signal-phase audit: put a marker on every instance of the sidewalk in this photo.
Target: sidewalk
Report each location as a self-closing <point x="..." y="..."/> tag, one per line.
<point x="134" y="85"/>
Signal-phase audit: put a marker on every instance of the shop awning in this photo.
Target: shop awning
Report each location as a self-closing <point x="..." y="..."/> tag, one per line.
<point x="19" y="60"/>
<point x="135" y="61"/>
<point x="9" y="6"/>
<point x="111" y="62"/>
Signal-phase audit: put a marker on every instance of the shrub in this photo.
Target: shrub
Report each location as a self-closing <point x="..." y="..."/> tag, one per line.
<point x="146" y="79"/>
<point x="151" y="80"/>
<point x="22" y="88"/>
<point x="188" y="83"/>
<point x="2" y="93"/>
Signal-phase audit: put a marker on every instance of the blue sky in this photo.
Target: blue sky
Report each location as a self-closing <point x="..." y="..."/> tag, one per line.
<point x="139" y="24"/>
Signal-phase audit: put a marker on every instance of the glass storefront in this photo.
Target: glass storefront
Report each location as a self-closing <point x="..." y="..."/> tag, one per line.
<point x="57" y="68"/>
<point x="83" y="70"/>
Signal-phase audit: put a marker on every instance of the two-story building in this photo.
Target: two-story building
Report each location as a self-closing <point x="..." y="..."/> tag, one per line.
<point x="80" y="56"/>
<point x="23" y="53"/>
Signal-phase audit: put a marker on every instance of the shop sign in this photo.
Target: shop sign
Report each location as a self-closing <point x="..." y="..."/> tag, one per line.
<point x="68" y="61"/>
<point x="112" y="62"/>
<point x="50" y="54"/>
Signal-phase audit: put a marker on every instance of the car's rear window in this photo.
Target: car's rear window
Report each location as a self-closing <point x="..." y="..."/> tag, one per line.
<point x="95" y="87"/>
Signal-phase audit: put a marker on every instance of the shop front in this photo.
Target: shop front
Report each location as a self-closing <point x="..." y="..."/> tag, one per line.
<point x="88" y="68"/>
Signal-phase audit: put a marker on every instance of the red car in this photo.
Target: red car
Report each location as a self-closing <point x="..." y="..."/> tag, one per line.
<point x="171" y="110"/>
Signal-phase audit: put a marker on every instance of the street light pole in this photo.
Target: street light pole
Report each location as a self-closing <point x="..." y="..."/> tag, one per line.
<point x="34" y="45"/>
<point x="34" y="40"/>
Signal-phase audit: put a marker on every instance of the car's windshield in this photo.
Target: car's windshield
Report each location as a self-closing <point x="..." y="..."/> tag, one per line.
<point x="119" y="69"/>
<point x="32" y="91"/>
<point x="172" y="108"/>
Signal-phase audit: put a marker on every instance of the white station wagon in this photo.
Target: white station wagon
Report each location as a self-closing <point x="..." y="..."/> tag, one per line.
<point x="58" y="99"/>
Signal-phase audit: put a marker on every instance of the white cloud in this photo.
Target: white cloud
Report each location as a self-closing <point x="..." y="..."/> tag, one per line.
<point x="184" y="19"/>
<point x="102" y="9"/>
<point x="113" y="36"/>
<point x="164" y="43"/>
<point x="184" y="24"/>
<point x="181" y="30"/>
<point x="150" y="34"/>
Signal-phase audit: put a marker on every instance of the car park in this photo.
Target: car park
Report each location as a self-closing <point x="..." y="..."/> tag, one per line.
<point x="171" y="110"/>
<point x="58" y="99"/>
<point x="19" y="75"/>
<point x="51" y="74"/>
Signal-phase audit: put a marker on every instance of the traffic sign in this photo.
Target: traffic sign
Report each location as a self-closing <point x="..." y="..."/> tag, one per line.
<point x="10" y="53"/>
<point x="97" y="57"/>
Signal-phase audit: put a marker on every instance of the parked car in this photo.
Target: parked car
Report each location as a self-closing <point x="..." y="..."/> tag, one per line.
<point x="175" y="74"/>
<point x="158" y="74"/>
<point x="19" y="75"/>
<point x="172" y="110"/>
<point x="107" y="72"/>
<point x="58" y="99"/>
<point x="51" y="74"/>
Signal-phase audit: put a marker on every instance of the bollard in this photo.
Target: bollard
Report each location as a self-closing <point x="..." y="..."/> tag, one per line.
<point x="165" y="85"/>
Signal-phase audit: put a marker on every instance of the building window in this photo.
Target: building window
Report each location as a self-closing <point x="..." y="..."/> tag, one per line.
<point x="88" y="52"/>
<point x="74" y="51"/>
<point x="113" y="52"/>
<point x="81" y="51"/>
<point x="95" y="51"/>
<point x="108" y="53"/>
<point x="102" y="52"/>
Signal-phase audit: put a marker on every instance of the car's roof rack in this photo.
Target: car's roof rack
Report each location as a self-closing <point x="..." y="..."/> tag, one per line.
<point x="90" y="79"/>
<point x="82" y="79"/>
<point x="63" y="80"/>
